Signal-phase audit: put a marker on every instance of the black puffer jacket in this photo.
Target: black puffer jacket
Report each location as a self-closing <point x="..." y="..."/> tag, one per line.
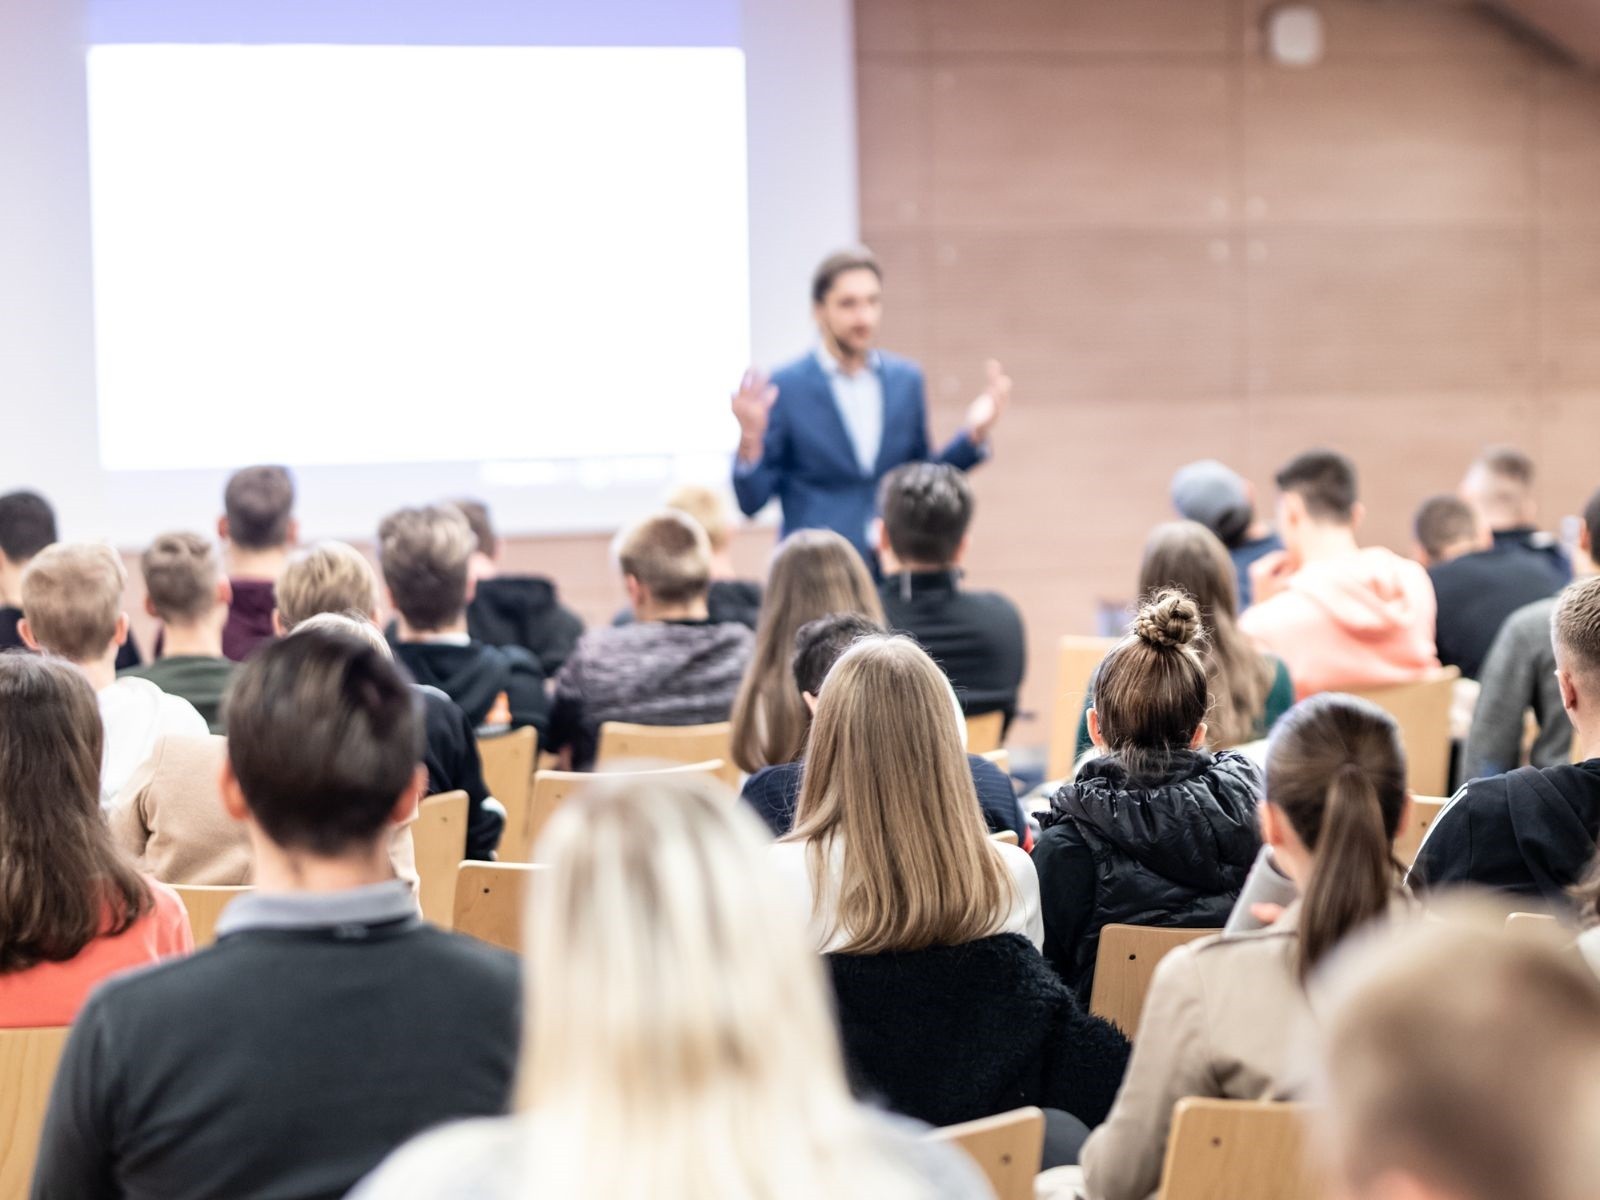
<point x="1170" y="851"/>
<point x="523" y="610"/>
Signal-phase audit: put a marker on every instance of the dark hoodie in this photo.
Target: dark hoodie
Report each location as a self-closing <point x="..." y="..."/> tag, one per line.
<point x="1169" y="851"/>
<point x="474" y="675"/>
<point x="1531" y="833"/>
<point x="522" y="610"/>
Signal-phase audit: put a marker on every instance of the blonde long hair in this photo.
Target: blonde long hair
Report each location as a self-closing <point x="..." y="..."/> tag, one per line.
<point x="814" y="573"/>
<point x="680" y="1043"/>
<point x="887" y="775"/>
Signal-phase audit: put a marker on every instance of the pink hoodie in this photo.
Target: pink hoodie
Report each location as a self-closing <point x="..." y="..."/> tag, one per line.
<point x="1360" y="620"/>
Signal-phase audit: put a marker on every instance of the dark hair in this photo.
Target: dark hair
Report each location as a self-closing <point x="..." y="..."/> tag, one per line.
<point x="1591" y="522"/>
<point x="477" y="514"/>
<point x="1509" y="463"/>
<point x="1151" y="691"/>
<point x="926" y="510"/>
<point x="1442" y="521"/>
<point x="1325" y="480"/>
<point x="1337" y="771"/>
<point x="818" y="645"/>
<point x="259" y="502"/>
<point x="64" y="883"/>
<point x="836" y="264"/>
<point x="324" y="737"/>
<point x="27" y="525"/>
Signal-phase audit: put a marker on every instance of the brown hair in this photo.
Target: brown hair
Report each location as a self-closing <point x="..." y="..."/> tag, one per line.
<point x="1151" y="691"/>
<point x="1326" y="481"/>
<point x="706" y="508"/>
<point x="1337" y="772"/>
<point x="180" y="574"/>
<point x="1575" y="630"/>
<point x="27" y="525"/>
<point x="814" y="572"/>
<point x="1441" y="522"/>
<point x="259" y="503"/>
<point x="477" y="514"/>
<point x="72" y="597"/>
<point x="858" y="258"/>
<point x="329" y="577"/>
<point x="425" y="554"/>
<point x="669" y="555"/>
<point x="926" y="508"/>
<point x="63" y="882"/>
<point x="1186" y="556"/>
<point x="887" y="774"/>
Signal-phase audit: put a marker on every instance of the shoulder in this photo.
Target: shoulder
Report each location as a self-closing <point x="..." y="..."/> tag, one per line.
<point x="468" y="1159"/>
<point x="485" y="964"/>
<point x="798" y="371"/>
<point x="179" y="716"/>
<point x="898" y="367"/>
<point x="1019" y="863"/>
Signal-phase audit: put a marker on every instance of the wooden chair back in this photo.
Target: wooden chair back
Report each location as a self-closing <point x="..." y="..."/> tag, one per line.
<point x="986" y="732"/>
<point x="204" y="904"/>
<point x="28" y="1059"/>
<point x="1425" y="811"/>
<point x="440" y="836"/>
<point x="552" y="789"/>
<point x="1422" y="710"/>
<point x="683" y="744"/>
<point x="508" y="764"/>
<point x="1124" y="965"/>
<point x="1076" y="661"/>
<point x="1237" y="1150"/>
<point x="490" y="901"/>
<point x="1008" y="836"/>
<point x="1008" y="1149"/>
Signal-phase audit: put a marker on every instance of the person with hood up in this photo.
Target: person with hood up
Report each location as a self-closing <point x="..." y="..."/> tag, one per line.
<point x="1338" y="615"/>
<point x="1157" y="830"/>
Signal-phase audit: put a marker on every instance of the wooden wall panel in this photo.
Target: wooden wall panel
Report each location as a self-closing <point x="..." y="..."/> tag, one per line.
<point x="1440" y="30"/>
<point x="1568" y="147"/>
<point x="1569" y="306"/>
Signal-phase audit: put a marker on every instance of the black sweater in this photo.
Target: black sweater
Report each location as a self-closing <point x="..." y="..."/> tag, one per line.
<point x="450" y="753"/>
<point x="976" y="637"/>
<point x="474" y="675"/>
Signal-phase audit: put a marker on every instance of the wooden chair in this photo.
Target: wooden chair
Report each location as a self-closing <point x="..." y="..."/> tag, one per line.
<point x="28" y="1059"/>
<point x="1425" y="811"/>
<point x="440" y="835"/>
<point x="1422" y="710"/>
<point x="985" y="733"/>
<point x="1237" y="1150"/>
<point x="490" y="900"/>
<point x="204" y="904"/>
<point x="1008" y="836"/>
<point x="685" y="744"/>
<point x="1007" y="1148"/>
<point x="552" y="789"/>
<point x="508" y="762"/>
<point x="1124" y="965"/>
<point x="1075" y="666"/>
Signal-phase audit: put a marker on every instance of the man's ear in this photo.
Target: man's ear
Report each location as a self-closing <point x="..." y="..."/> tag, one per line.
<point x="26" y="634"/>
<point x="277" y="623"/>
<point x="225" y="592"/>
<point x="405" y="808"/>
<point x="472" y="586"/>
<point x="150" y="608"/>
<point x="233" y="802"/>
<point x="880" y="536"/>
<point x="637" y="592"/>
<point x="962" y="547"/>
<point x="121" y="634"/>
<point x="1569" y="690"/>
<point x="1358" y="514"/>
<point x="222" y="528"/>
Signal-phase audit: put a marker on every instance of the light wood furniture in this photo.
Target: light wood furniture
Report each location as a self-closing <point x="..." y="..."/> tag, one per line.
<point x="440" y="836"/>
<point x="28" y="1059"/>
<point x="552" y="789"/>
<point x="622" y="743"/>
<point x="1007" y="1147"/>
<point x="508" y="763"/>
<point x="1237" y="1150"/>
<point x="1008" y="836"/>
<point x="1124" y="965"/>
<point x="490" y="901"/>
<point x="1076" y="661"/>
<point x="985" y="733"/>
<point x="1425" y="811"/>
<point x="204" y="904"/>
<point x="1422" y="710"/>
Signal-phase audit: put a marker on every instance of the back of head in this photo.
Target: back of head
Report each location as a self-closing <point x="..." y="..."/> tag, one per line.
<point x="670" y="556"/>
<point x="27" y="525"/>
<point x="1460" y="1062"/>
<point x="1575" y="632"/>
<point x="1591" y="525"/>
<point x="426" y="555"/>
<point x="706" y="508"/>
<point x="181" y="573"/>
<point x="1444" y="523"/>
<point x="1325" y="481"/>
<point x="1151" y="692"/>
<point x="259" y="504"/>
<point x="72" y="597"/>
<point x="324" y="736"/>
<point x="477" y="514"/>
<point x="1337" y="772"/>
<point x="926" y="509"/>
<point x="328" y="577"/>
<point x="350" y="625"/>
<point x="887" y="775"/>
<point x="1500" y="485"/>
<point x="818" y="645"/>
<point x="1216" y="496"/>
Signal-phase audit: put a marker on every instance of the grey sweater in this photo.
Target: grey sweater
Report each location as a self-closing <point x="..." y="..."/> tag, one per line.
<point x="1518" y="675"/>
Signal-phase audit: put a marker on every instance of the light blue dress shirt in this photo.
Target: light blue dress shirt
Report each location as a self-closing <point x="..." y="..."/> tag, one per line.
<point x="859" y="398"/>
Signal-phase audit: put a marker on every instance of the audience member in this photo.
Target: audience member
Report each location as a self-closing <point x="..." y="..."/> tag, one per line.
<point x="1532" y="832"/>
<point x="425" y="555"/>
<point x="1500" y="486"/>
<point x="185" y="591"/>
<point x="1338" y="615"/>
<point x="72" y="909"/>
<point x="71" y="601"/>
<point x="1216" y="496"/>
<point x="1156" y="830"/>
<point x="679" y="1041"/>
<point x="975" y="637"/>
<point x="328" y="1024"/>
<point x="728" y="598"/>
<point x="1477" y="585"/>
<point x="258" y="529"/>
<point x="774" y="792"/>
<point x="814" y="573"/>
<point x="1222" y="1013"/>
<point x="515" y="610"/>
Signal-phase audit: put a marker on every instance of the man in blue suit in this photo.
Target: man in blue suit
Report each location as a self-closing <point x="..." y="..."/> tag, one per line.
<point x="823" y="431"/>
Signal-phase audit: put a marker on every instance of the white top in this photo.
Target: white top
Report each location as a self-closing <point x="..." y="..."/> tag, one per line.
<point x="789" y="863"/>
<point x="135" y="714"/>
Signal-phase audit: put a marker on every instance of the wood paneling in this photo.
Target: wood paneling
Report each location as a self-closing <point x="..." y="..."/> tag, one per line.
<point x="1569" y="306"/>
<point x="1569" y="146"/>
<point x="1440" y="30"/>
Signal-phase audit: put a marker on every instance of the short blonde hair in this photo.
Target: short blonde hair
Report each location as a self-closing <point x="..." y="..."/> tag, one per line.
<point x="706" y="508"/>
<point x="1575" y="629"/>
<point x="669" y="554"/>
<point x="329" y="577"/>
<point x="426" y="555"/>
<point x="72" y="597"/>
<point x="181" y="572"/>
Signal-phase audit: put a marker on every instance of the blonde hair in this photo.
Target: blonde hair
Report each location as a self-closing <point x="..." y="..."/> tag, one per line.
<point x="347" y="625"/>
<point x="329" y="577"/>
<point x="814" y="573"/>
<point x="181" y="572"/>
<point x="72" y="597"/>
<point x="887" y="775"/>
<point x="679" y="1042"/>
<point x="706" y="508"/>
<point x="668" y="554"/>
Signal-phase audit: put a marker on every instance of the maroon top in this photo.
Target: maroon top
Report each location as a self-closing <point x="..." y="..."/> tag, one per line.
<point x="249" y="619"/>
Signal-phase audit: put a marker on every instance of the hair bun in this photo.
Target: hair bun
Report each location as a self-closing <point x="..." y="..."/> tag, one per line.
<point x="1168" y="619"/>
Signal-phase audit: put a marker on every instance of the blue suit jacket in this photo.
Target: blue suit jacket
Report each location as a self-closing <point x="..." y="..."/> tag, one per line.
<point x="809" y="463"/>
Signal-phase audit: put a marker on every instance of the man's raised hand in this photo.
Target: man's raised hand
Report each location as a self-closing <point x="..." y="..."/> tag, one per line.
<point x="991" y="402"/>
<point x="751" y="405"/>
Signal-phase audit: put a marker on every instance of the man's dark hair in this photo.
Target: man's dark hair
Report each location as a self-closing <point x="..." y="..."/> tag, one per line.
<point x="926" y="509"/>
<point x="1442" y="521"/>
<point x="818" y="645"/>
<point x="1591" y="522"/>
<point x="27" y="525"/>
<point x="324" y="737"/>
<point x="836" y="264"/>
<point x="1508" y="462"/>
<point x="477" y="514"/>
<point x="1325" y="480"/>
<point x="259" y="503"/>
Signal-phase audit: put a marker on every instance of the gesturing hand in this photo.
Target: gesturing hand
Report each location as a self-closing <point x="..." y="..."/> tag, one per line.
<point x="751" y="404"/>
<point x="991" y="402"/>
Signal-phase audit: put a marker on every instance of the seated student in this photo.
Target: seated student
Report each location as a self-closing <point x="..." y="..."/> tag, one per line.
<point x="425" y="555"/>
<point x="1337" y="615"/>
<point x="71" y="601"/>
<point x="327" y="1024"/>
<point x="74" y="911"/>
<point x="679" y="1042"/>
<point x="185" y="591"/>
<point x="1500" y="486"/>
<point x="1532" y="832"/>
<point x="672" y="666"/>
<point x="1216" y="496"/>
<point x="976" y="637"/>
<point x="258" y="529"/>
<point x="729" y="598"/>
<point x="1157" y="830"/>
<point x="515" y="610"/>
<point x="1249" y="690"/>
<point x="774" y="792"/>
<point x="814" y="572"/>
<point x="1223" y="1013"/>
<point x="1476" y="584"/>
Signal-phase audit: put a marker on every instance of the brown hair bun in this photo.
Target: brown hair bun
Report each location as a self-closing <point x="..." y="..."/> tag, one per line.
<point x="1168" y="619"/>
